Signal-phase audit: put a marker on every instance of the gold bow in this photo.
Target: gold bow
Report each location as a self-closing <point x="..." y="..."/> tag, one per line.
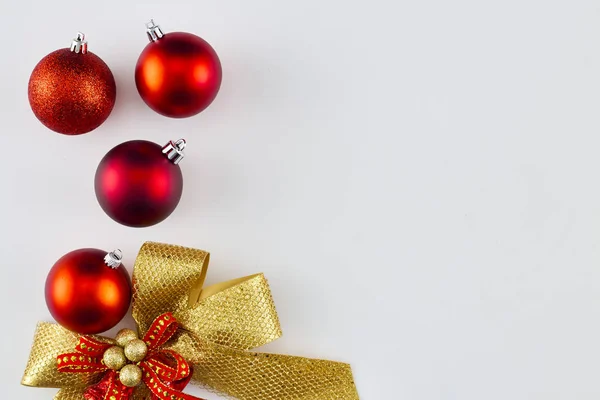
<point x="219" y="325"/>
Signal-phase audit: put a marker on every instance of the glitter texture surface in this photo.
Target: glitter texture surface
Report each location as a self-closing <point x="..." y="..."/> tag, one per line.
<point x="72" y="93"/>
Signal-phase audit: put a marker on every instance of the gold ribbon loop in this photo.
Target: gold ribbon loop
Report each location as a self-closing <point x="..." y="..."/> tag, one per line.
<point x="239" y="314"/>
<point x="51" y="340"/>
<point x="164" y="276"/>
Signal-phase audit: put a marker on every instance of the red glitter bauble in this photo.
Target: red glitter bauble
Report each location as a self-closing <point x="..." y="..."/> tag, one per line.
<point x="178" y="75"/>
<point x="72" y="93"/>
<point x="84" y="294"/>
<point x="137" y="184"/>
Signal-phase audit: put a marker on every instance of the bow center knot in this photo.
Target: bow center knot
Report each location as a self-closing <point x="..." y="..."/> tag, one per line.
<point x="131" y="362"/>
<point x="124" y="356"/>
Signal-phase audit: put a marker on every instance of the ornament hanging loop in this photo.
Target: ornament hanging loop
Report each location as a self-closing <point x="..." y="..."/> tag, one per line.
<point x="79" y="44"/>
<point x="174" y="151"/>
<point x="114" y="258"/>
<point x="153" y="31"/>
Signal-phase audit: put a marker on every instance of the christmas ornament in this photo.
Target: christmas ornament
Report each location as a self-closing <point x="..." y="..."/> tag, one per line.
<point x="191" y="332"/>
<point x="138" y="184"/>
<point x="136" y="350"/>
<point x="131" y="375"/>
<point x="114" y="358"/>
<point x="88" y="291"/>
<point x="72" y="91"/>
<point x="178" y="74"/>
<point x="125" y="336"/>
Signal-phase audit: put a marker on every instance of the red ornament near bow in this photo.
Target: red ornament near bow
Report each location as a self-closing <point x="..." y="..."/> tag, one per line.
<point x="164" y="372"/>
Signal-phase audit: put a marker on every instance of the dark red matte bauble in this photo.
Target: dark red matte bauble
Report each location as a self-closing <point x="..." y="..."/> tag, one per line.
<point x="85" y="295"/>
<point x="72" y="93"/>
<point x="178" y="75"/>
<point x="136" y="185"/>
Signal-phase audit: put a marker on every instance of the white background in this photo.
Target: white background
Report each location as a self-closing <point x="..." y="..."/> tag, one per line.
<point x="419" y="180"/>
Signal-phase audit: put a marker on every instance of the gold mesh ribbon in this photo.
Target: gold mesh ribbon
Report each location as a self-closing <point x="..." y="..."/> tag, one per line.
<point x="51" y="340"/>
<point x="220" y="324"/>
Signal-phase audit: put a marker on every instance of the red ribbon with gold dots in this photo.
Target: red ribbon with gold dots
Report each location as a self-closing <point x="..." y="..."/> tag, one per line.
<point x="86" y="358"/>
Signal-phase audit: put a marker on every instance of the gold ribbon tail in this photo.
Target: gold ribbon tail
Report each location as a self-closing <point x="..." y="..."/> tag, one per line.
<point x="247" y="375"/>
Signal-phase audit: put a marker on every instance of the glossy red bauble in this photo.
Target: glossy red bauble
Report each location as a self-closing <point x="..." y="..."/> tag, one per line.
<point x="71" y="92"/>
<point x="178" y="75"/>
<point x="137" y="184"/>
<point x="84" y="294"/>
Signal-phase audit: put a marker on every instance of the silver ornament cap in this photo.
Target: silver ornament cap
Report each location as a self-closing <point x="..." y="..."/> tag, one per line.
<point x="79" y="44"/>
<point x="113" y="259"/>
<point x="174" y="151"/>
<point x="153" y="31"/>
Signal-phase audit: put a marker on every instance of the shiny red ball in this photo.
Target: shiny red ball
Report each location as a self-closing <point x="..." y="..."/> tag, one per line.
<point x="72" y="93"/>
<point x="136" y="185"/>
<point x="178" y="75"/>
<point x="85" y="295"/>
